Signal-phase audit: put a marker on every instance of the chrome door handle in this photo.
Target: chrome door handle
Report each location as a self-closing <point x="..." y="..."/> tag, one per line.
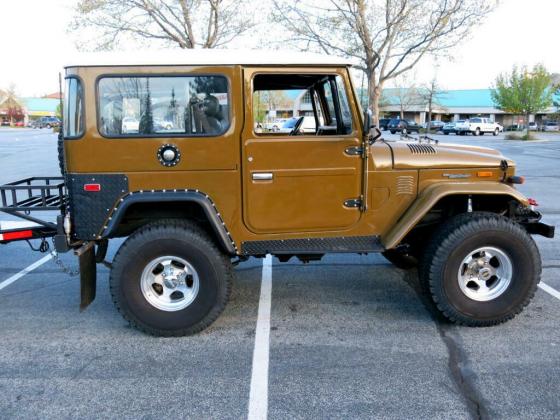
<point x="262" y="176"/>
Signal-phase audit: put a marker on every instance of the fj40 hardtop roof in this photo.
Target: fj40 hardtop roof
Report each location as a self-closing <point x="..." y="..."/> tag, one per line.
<point x="206" y="58"/>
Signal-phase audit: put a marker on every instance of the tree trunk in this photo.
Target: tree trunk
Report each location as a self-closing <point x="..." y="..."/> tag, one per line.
<point x="374" y="93"/>
<point x="402" y="113"/>
<point x="527" y="125"/>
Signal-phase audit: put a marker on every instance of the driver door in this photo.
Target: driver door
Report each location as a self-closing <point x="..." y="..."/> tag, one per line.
<point x="300" y="181"/>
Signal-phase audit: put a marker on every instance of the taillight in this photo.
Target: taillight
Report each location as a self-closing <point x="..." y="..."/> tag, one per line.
<point x="92" y="187"/>
<point x="10" y="236"/>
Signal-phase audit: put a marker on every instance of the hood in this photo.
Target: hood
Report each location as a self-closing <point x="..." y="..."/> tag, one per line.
<point x="414" y="155"/>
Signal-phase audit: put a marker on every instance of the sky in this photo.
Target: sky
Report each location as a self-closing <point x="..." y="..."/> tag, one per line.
<point x="35" y="45"/>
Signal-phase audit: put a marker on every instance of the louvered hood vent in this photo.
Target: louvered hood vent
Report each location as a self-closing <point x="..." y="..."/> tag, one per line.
<point x="421" y="149"/>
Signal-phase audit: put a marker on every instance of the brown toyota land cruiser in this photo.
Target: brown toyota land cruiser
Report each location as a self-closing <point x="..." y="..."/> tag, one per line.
<point x="172" y="154"/>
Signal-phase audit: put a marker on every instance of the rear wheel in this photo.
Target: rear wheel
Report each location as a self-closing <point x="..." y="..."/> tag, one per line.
<point x="481" y="269"/>
<point x="393" y="131"/>
<point x="170" y="279"/>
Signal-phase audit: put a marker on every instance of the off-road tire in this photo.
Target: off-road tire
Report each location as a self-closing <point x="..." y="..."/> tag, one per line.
<point x="439" y="266"/>
<point x="183" y="239"/>
<point x="60" y="148"/>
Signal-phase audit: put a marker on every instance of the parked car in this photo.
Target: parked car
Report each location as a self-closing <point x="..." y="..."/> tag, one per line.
<point x="533" y="126"/>
<point x="130" y="125"/>
<point x="5" y="123"/>
<point x="450" y="127"/>
<point x="478" y="126"/>
<point x="551" y="126"/>
<point x="47" y="122"/>
<point x="275" y="125"/>
<point x="308" y="125"/>
<point x="383" y="123"/>
<point x="19" y="124"/>
<point x="191" y="209"/>
<point x="162" y="124"/>
<point x="403" y="126"/>
<point x="435" y="125"/>
<point x="515" y="127"/>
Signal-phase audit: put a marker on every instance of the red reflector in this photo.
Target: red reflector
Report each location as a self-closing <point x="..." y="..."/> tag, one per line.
<point x="22" y="234"/>
<point x="532" y="202"/>
<point x="92" y="187"/>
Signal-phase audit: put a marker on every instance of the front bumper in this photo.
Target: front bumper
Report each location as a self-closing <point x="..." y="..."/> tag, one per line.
<point x="539" y="228"/>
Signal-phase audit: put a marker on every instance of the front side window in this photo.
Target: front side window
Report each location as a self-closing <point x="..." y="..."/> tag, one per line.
<point x="73" y="108"/>
<point x="163" y="106"/>
<point x="312" y="100"/>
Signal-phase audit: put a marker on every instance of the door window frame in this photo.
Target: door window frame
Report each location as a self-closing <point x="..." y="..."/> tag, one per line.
<point x="344" y="74"/>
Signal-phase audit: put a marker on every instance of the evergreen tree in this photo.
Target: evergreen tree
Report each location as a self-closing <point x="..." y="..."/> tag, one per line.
<point x="147" y="119"/>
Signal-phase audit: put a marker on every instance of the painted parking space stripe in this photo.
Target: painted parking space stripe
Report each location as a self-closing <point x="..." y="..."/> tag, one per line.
<point x="25" y="271"/>
<point x="549" y="290"/>
<point x="258" y="397"/>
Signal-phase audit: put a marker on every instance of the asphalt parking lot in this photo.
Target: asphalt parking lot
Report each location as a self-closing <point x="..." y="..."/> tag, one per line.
<point x="348" y="337"/>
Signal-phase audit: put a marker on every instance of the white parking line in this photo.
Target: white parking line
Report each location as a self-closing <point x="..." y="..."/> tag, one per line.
<point x="25" y="271"/>
<point x="258" y="397"/>
<point x="549" y="290"/>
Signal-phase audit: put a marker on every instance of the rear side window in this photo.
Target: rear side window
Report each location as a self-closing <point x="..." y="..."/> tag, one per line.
<point x="73" y="108"/>
<point x="163" y="106"/>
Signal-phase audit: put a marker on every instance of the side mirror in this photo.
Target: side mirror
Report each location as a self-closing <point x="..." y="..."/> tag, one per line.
<point x="372" y="132"/>
<point x="367" y="121"/>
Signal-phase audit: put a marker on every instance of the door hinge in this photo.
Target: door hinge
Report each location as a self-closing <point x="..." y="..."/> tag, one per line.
<point x="354" y="151"/>
<point x="353" y="203"/>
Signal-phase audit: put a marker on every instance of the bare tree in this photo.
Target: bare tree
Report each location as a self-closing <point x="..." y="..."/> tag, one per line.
<point x="406" y="93"/>
<point x="181" y="23"/>
<point x="386" y="37"/>
<point x="431" y="95"/>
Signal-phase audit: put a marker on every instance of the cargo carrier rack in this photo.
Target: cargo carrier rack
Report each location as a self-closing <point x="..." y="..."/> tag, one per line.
<point x="21" y="198"/>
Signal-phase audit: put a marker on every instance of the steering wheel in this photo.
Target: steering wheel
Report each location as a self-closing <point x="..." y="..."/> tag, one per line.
<point x="297" y="126"/>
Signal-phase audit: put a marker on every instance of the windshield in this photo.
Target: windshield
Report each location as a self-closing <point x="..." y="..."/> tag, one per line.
<point x="73" y="108"/>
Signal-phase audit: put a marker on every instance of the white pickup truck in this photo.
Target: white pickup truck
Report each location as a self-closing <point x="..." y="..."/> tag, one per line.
<point x="477" y="127"/>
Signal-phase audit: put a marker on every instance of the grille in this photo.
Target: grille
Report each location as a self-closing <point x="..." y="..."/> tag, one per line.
<point x="421" y="149"/>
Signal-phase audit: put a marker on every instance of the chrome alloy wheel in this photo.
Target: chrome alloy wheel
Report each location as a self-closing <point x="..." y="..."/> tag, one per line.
<point x="485" y="274"/>
<point x="169" y="283"/>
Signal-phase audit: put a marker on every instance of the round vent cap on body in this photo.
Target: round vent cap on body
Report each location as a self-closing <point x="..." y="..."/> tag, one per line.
<point x="169" y="155"/>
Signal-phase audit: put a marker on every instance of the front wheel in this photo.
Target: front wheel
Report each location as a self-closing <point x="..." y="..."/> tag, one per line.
<point x="496" y="132"/>
<point x="393" y="131"/>
<point x="170" y="279"/>
<point x="481" y="269"/>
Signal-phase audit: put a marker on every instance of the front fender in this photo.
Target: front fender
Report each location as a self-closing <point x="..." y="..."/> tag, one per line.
<point x="432" y="194"/>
